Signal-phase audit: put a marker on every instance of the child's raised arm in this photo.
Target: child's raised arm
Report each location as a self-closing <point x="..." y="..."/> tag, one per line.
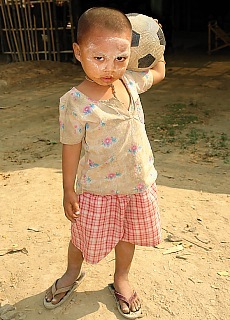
<point x="158" y="71"/>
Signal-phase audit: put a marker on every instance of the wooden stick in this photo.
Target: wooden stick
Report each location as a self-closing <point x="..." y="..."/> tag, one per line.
<point x="52" y="32"/>
<point x="1" y="33"/>
<point x="43" y="30"/>
<point x="196" y="244"/>
<point x="23" y="12"/>
<point x="31" y="30"/>
<point x="56" y="30"/>
<point x="8" y="36"/>
<point x="11" y="12"/>
<point x="14" y="40"/>
<point x="48" y="30"/>
<point x="64" y="22"/>
<point x="28" y="33"/>
<point x="9" y="26"/>
<point x="209" y="39"/>
<point x="36" y="38"/>
<point x="72" y="26"/>
<point x="16" y="31"/>
<point x="20" y="30"/>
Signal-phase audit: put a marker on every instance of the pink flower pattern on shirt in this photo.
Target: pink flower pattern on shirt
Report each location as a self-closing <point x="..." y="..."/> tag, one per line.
<point x="134" y="149"/>
<point x="111" y="159"/>
<point x="140" y="187"/>
<point x="61" y="125"/>
<point x="107" y="142"/>
<point x="151" y="159"/>
<point x="77" y="129"/>
<point x="86" y="179"/>
<point x="88" y="109"/>
<point x="93" y="164"/>
<point x="112" y="176"/>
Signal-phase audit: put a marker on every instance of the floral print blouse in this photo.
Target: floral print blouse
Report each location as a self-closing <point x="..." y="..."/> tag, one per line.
<point x="117" y="158"/>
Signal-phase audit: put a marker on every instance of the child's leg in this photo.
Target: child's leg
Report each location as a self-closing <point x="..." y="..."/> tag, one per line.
<point x="75" y="260"/>
<point x="124" y="252"/>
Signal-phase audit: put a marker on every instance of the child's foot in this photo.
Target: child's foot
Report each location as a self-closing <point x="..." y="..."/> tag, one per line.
<point x="59" y="283"/>
<point x="132" y="302"/>
<point x="61" y="290"/>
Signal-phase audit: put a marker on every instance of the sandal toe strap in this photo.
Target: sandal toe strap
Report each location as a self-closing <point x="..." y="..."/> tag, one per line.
<point x="56" y="291"/>
<point x="129" y="301"/>
<point x="133" y="297"/>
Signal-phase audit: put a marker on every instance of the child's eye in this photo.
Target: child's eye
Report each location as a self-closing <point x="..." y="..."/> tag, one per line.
<point x="121" y="59"/>
<point x="99" y="58"/>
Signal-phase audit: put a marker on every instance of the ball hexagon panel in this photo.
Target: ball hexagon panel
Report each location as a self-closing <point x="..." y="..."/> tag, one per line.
<point x="146" y="61"/>
<point x="161" y="37"/>
<point x="135" y="39"/>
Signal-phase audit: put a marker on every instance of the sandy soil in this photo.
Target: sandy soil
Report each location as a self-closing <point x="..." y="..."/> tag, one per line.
<point x="187" y="118"/>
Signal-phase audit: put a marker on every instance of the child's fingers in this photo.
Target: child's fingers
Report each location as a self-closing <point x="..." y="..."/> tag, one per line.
<point x="69" y="215"/>
<point x="69" y="212"/>
<point x="76" y="214"/>
<point x="72" y="212"/>
<point x="160" y="25"/>
<point x="75" y="206"/>
<point x="76" y="211"/>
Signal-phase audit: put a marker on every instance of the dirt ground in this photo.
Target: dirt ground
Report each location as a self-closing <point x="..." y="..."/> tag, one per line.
<point x="187" y="119"/>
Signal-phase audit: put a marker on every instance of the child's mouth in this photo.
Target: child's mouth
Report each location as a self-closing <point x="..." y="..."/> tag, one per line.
<point x="107" y="79"/>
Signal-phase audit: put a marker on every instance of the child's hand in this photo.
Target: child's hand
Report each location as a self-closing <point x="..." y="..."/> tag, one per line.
<point x="71" y="206"/>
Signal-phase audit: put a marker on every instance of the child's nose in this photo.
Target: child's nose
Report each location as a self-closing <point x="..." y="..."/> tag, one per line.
<point x="109" y="65"/>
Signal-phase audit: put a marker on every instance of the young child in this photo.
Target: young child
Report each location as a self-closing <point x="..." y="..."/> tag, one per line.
<point x="114" y="204"/>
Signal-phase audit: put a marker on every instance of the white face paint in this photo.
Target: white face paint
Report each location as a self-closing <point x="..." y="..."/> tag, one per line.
<point x="105" y="58"/>
<point x="110" y="56"/>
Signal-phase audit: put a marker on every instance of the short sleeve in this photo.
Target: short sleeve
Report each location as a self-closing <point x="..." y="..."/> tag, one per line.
<point x="142" y="79"/>
<point x="72" y="129"/>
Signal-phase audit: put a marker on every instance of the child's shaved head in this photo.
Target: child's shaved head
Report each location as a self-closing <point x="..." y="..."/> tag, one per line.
<point x="102" y="18"/>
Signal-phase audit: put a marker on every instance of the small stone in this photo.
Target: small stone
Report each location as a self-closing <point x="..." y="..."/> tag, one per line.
<point x="9" y="315"/>
<point x="4" y="302"/>
<point x="3" y="83"/>
<point x="6" y="308"/>
<point x="21" y="315"/>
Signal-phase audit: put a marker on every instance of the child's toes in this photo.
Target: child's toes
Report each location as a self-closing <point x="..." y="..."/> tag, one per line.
<point x="136" y="305"/>
<point x="48" y="295"/>
<point x="124" y="307"/>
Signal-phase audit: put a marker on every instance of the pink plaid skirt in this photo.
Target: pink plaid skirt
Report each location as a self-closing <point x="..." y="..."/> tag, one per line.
<point x="106" y="220"/>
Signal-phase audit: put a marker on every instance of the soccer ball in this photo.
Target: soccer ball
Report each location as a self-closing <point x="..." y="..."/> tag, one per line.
<point x="148" y="42"/>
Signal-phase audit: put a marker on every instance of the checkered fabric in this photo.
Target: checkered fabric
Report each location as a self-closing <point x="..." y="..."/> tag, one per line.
<point x="105" y="220"/>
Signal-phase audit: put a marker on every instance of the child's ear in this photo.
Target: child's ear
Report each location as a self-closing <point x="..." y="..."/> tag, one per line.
<point x="76" y="51"/>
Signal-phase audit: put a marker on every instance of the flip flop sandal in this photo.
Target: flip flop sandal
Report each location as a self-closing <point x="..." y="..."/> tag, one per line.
<point x="68" y="290"/>
<point x="117" y="296"/>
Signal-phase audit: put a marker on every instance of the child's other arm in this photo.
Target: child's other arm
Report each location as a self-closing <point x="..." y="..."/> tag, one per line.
<point x="158" y="71"/>
<point x="70" y="160"/>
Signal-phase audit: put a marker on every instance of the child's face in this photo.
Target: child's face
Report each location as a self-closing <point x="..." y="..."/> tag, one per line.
<point x="104" y="55"/>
